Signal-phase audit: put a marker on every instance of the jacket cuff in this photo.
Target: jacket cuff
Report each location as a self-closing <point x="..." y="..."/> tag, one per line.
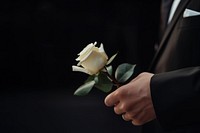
<point x="175" y="97"/>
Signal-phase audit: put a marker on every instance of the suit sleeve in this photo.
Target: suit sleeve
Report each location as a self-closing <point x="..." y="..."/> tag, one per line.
<point x="176" y="97"/>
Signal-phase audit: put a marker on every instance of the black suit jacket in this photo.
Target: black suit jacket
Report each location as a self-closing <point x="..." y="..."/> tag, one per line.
<point x="175" y="87"/>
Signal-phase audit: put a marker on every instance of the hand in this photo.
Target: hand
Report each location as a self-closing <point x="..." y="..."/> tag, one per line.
<point x="133" y="100"/>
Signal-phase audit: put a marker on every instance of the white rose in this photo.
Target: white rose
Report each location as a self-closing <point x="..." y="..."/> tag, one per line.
<point x="91" y="59"/>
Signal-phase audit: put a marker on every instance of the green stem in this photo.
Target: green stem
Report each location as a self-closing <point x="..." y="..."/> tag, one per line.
<point x="114" y="80"/>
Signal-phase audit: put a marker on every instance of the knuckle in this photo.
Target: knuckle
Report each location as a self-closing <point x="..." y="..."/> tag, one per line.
<point x="137" y="122"/>
<point x="142" y="74"/>
<point x="117" y="110"/>
<point x="126" y="117"/>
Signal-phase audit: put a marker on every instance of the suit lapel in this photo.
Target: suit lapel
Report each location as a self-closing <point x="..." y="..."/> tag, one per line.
<point x="170" y="27"/>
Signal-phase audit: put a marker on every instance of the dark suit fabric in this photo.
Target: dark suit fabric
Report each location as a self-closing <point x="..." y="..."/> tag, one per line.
<point x="175" y="88"/>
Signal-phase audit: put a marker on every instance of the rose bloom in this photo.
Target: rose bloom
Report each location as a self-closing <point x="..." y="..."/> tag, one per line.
<point x="91" y="59"/>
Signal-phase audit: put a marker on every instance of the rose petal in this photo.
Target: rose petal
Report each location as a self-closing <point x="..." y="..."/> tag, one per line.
<point x="88" y="47"/>
<point x="86" y="55"/>
<point x="80" y="69"/>
<point x="94" y="62"/>
<point x="101" y="49"/>
<point x="85" y="51"/>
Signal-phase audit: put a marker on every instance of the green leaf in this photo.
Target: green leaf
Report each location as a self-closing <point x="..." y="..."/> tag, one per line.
<point x="111" y="59"/>
<point x="85" y="88"/>
<point x="104" y="87"/>
<point x="124" y="72"/>
<point x="104" y="84"/>
<point x="90" y="78"/>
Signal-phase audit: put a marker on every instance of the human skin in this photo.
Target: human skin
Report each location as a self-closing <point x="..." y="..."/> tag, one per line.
<point x="133" y="101"/>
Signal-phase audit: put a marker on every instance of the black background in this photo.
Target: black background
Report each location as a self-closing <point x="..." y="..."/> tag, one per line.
<point x="39" y="43"/>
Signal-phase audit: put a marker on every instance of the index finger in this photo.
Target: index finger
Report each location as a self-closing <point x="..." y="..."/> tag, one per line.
<point x="112" y="99"/>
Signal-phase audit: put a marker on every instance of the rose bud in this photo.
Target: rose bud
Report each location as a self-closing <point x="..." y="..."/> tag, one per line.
<point x="91" y="59"/>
